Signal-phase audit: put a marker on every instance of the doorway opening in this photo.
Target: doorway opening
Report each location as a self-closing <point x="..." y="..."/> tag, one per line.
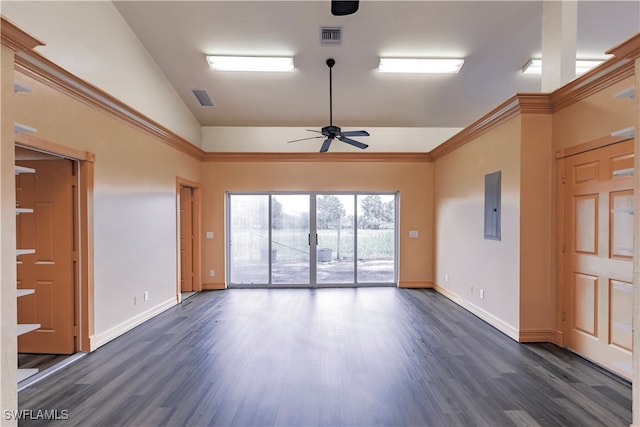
<point x="311" y="239"/>
<point x="188" y="214"/>
<point x="54" y="237"/>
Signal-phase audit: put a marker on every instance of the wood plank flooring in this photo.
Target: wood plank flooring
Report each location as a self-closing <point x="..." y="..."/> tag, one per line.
<point x="327" y="357"/>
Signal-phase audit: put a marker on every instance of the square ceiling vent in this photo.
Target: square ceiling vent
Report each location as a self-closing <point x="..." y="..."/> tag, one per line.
<point x="331" y="35"/>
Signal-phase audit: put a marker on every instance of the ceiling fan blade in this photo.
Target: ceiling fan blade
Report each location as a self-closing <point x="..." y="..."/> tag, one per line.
<point x="352" y="142"/>
<point x="325" y="145"/>
<point x="304" y="139"/>
<point x="355" y="133"/>
<point x="314" y="130"/>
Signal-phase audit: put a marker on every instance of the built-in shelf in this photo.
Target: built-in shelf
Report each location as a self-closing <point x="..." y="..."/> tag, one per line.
<point x="624" y="172"/>
<point x="25" y="251"/>
<point x="21" y="87"/>
<point x="628" y="132"/>
<point x="20" y="128"/>
<point x="23" y="292"/>
<point x="23" y="169"/>
<point x="623" y="210"/>
<point x="626" y="93"/>
<point x="24" y="328"/>
<point x="23" y="210"/>
<point x="23" y="374"/>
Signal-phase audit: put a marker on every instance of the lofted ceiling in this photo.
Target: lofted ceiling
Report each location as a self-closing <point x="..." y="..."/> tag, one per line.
<point x="495" y="38"/>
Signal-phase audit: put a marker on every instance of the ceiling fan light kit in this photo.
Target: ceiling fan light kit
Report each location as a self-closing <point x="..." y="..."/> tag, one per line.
<point x="332" y="132"/>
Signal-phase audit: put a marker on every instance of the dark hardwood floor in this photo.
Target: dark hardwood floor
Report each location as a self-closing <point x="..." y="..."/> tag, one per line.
<point x="327" y="357"/>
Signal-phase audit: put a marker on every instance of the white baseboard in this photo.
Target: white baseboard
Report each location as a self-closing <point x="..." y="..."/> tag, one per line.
<point x="497" y="323"/>
<point x="101" y="339"/>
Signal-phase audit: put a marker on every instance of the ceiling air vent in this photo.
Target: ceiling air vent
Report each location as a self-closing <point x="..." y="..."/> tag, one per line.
<point x="331" y="35"/>
<point x="203" y="97"/>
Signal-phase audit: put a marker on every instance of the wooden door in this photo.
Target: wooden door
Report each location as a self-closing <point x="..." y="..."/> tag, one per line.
<point x="50" y="271"/>
<point x="186" y="239"/>
<point x="599" y="255"/>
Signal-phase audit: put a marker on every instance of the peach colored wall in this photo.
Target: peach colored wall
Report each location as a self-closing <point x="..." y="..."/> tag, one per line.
<point x="134" y="203"/>
<point x="413" y="180"/>
<point x="592" y="118"/>
<point x="461" y="250"/>
<point x="537" y="290"/>
<point x="8" y="340"/>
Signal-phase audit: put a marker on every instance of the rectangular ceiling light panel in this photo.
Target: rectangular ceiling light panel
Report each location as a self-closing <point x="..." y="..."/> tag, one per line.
<point x="420" y="65"/>
<point x="534" y="66"/>
<point x="250" y="63"/>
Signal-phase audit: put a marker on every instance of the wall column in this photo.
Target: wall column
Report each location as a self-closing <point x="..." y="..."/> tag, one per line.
<point x="559" y="34"/>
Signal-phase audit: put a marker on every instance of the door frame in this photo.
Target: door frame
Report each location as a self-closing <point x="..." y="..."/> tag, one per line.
<point x="84" y="270"/>
<point x="197" y="227"/>
<point x="562" y="287"/>
<point x="313" y="249"/>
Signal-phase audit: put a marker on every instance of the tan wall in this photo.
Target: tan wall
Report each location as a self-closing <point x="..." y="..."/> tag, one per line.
<point x="8" y="340"/>
<point x="134" y="204"/>
<point x="592" y="118"/>
<point x="537" y="290"/>
<point x="461" y="250"/>
<point x="412" y="179"/>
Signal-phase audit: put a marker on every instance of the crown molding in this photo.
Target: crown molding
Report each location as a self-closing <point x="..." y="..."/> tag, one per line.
<point x="629" y="48"/>
<point x="39" y="68"/>
<point x="521" y="103"/>
<point x="317" y="157"/>
<point x="15" y="38"/>
<point x="603" y="76"/>
<point x="36" y="66"/>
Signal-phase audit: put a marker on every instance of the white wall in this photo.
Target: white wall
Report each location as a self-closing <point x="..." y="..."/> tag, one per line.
<point x="274" y="139"/>
<point x="91" y="40"/>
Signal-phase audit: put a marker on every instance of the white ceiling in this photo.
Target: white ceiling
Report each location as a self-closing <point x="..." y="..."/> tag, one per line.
<point x="495" y="38"/>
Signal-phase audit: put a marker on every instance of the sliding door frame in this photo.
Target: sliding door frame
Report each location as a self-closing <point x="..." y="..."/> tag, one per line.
<point x="313" y="195"/>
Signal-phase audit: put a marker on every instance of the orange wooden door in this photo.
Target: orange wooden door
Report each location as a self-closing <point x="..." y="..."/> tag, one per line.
<point x="186" y="239"/>
<point x="599" y="255"/>
<point x="50" y="271"/>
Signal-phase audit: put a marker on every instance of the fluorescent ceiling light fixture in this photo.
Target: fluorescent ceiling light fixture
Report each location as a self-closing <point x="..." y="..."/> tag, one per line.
<point x="534" y="66"/>
<point x="420" y="65"/>
<point x="250" y="63"/>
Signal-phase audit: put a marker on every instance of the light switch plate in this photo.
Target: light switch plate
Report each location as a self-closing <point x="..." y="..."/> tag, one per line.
<point x="413" y="234"/>
<point x="209" y="234"/>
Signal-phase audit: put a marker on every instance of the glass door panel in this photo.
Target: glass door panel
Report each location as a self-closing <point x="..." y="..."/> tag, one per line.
<point x="290" y="239"/>
<point x="335" y="252"/>
<point x="376" y="238"/>
<point x="249" y="239"/>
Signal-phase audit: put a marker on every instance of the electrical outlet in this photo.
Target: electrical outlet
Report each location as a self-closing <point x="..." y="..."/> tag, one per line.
<point x="135" y="300"/>
<point x="481" y="293"/>
<point x="470" y="288"/>
<point x="146" y="295"/>
<point x="212" y="273"/>
<point x="446" y="278"/>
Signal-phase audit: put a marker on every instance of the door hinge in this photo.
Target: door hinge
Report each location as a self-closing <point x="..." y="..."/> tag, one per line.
<point x="564" y="247"/>
<point x="564" y="316"/>
<point x="74" y="256"/>
<point x="564" y="179"/>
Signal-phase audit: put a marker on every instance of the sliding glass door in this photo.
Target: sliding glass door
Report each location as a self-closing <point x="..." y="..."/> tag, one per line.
<point x="311" y="239"/>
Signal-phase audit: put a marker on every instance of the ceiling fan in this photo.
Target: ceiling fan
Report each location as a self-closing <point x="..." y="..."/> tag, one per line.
<point x="332" y="132"/>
